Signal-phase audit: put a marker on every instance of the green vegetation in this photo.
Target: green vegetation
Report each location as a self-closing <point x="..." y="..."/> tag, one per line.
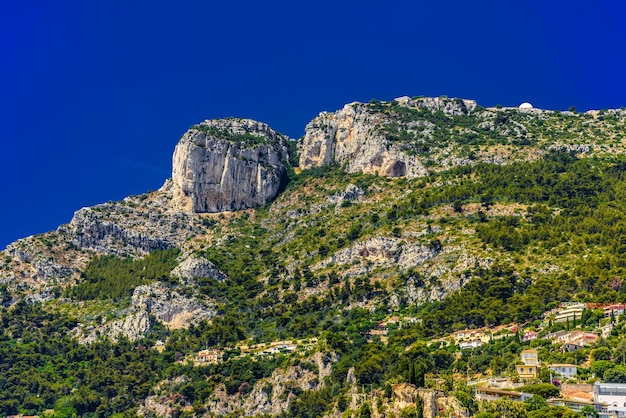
<point x="111" y="277"/>
<point x="466" y="247"/>
<point x="247" y="139"/>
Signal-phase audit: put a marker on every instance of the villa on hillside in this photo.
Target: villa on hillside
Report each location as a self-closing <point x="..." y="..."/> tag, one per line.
<point x="578" y="339"/>
<point x="530" y="368"/>
<point x="208" y="357"/>
<point x="610" y="398"/>
<point x="554" y="335"/>
<point x="570" y="312"/>
<point x="463" y="345"/>
<point x="575" y="405"/>
<point x="492" y="394"/>
<point x="615" y="309"/>
<point x="566" y="370"/>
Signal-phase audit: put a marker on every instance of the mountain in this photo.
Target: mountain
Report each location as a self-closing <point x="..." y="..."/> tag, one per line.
<point x="416" y="217"/>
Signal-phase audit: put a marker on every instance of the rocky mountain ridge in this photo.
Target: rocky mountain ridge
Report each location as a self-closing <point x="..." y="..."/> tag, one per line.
<point x="394" y="206"/>
<point x="233" y="164"/>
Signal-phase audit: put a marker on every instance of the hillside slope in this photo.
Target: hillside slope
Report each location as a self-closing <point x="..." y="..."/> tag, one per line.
<point x="436" y="211"/>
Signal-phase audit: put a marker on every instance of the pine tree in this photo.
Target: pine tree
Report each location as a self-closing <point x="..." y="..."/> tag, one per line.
<point x="419" y="371"/>
<point x="419" y="407"/>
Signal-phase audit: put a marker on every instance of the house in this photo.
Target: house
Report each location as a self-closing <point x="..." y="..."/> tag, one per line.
<point x="566" y="370"/>
<point x="492" y="394"/>
<point x="208" y="357"/>
<point x="530" y="357"/>
<point x="577" y="340"/>
<point x="570" y="312"/>
<point x="287" y="347"/>
<point x="463" y="345"/>
<point x="616" y="309"/>
<point x="529" y="336"/>
<point x="610" y="398"/>
<point x="463" y="334"/>
<point x="530" y="368"/>
<point x="605" y="330"/>
<point x="573" y="404"/>
<point x="278" y="348"/>
<point x="554" y="335"/>
<point x="571" y="347"/>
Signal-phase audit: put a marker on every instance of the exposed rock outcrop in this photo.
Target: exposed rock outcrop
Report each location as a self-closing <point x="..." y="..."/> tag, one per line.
<point x="350" y="193"/>
<point x="193" y="267"/>
<point x="228" y="164"/>
<point x="133" y="226"/>
<point x="152" y="301"/>
<point x="359" y="137"/>
<point x="268" y="396"/>
<point x="383" y="250"/>
<point x="406" y="394"/>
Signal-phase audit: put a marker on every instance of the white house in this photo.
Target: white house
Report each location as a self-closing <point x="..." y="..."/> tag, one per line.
<point x="570" y="312"/>
<point x="470" y="344"/>
<point x="610" y="398"/>
<point x="566" y="370"/>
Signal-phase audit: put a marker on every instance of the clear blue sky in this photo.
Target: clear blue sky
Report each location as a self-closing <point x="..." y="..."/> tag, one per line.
<point x="94" y="95"/>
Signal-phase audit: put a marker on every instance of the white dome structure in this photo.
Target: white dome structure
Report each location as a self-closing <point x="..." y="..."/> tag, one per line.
<point x="525" y="105"/>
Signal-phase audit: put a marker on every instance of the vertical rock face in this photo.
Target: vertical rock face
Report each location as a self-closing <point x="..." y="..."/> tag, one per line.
<point x="228" y="164"/>
<point x="358" y="136"/>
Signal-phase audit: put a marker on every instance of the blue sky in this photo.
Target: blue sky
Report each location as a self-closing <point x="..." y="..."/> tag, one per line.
<point x="94" y="95"/>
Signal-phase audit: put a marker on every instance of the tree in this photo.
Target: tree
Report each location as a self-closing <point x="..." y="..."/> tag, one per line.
<point x="366" y="411"/>
<point x="601" y="353"/>
<point x="535" y="402"/>
<point x="411" y="412"/>
<point x="615" y="375"/>
<point x="544" y="390"/>
<point x="589" y="412"/>
<point x="599" y="367"/>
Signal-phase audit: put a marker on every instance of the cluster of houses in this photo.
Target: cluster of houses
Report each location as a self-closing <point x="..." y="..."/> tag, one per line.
<point x="569" y="340"/>
<point x="215" y="355"/>
<point x="609" y="399"/>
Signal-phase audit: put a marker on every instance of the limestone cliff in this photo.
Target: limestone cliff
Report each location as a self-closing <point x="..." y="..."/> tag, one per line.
<point x="361" y="136"/>
<point x="227" y="165"/>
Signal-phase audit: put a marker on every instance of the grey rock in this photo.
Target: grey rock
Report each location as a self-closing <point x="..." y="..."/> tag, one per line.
<point x="132" y="227"/>
<point x="193" y="267"/>
<point x="227" y="165"/>
<point x="350" y="193"/>
<point x="351" y="137"/>
<point x="355" y="138"/>
<point x="151" y="301"/>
